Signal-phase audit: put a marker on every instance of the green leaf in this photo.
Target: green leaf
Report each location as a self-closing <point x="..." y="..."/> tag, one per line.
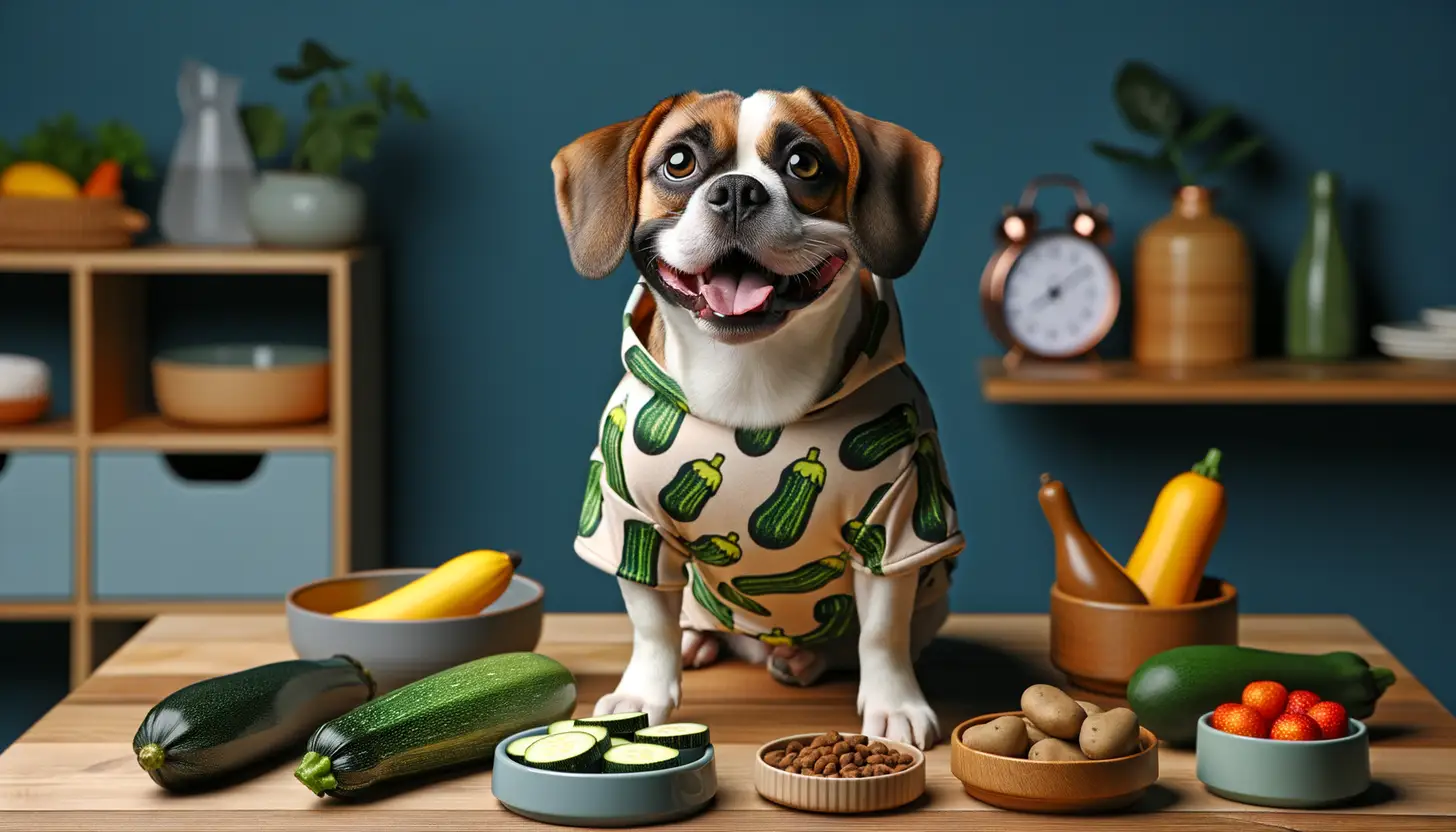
<point x="323" y="148"/>
<point x="315" y="56"/>
<point x="266" y="128"/>
<point x="319" y="97"/>
<point x="410" y="103"/>
<point x="360" y="142"/>
<point x="291" y="74"/>
<point x="379" y="85"/>
<point x="8" y="155"/>
<point x="1234" y="154"/>
<point x="1207" y="126"/>
<point x="1129" y="157"/>
<point x="115" y="140"/>
<point x="1148" y="104"/>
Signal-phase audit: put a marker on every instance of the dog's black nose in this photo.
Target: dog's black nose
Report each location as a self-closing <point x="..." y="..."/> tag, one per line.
<point x="736" y="196"/>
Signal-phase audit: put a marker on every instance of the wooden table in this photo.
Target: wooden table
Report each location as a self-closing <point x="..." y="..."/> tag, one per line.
<point x="75" y="769"/>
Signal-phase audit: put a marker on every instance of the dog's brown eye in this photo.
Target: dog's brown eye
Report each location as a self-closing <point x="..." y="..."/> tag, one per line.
<point x="680" y="163"/>
<point x="803" y="164"/>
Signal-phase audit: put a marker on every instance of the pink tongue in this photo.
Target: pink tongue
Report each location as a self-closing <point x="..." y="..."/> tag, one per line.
<point x="728" y="296"/>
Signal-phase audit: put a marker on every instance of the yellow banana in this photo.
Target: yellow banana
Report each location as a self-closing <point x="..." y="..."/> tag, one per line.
<point x="463" y="585"/>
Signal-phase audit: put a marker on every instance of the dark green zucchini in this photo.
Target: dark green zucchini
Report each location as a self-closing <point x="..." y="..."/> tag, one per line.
<point x="209" y="732"/>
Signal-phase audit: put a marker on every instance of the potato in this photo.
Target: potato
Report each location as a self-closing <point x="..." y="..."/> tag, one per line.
<point x="1054" y="712"/>
<point x="1109" y="735"/>
<point x="1033" y="733"/>
<point x="1004" y="736"/>
<point x="1052" y="750"/>
<point x="1091" y="708"/>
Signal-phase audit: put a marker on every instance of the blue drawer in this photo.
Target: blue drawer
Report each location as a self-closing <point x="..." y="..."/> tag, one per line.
<point x="210" y="526"/>
<point x="37" y="522"/>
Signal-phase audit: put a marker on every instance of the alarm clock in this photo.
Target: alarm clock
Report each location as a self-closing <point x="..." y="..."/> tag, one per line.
<point x="1051" y="293"/>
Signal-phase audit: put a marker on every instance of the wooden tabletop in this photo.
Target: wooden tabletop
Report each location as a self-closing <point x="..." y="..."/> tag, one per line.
<point x="75" y="768"/>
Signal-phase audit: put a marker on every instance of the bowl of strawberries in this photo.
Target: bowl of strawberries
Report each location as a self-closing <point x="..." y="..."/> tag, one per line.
<point x="1282" y="748"/>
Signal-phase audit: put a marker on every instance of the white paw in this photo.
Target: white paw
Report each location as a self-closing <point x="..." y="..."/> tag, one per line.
<point x="657" y="707"/>
<point x="894" y="708"/>
<point x="796" y="666"/>
<point x="699" y="649"/>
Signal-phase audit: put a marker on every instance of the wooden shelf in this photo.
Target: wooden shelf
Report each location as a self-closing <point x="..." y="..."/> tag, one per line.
<point x="175" y="260"/>
<point x="153" y="432"/>
<point x="56" y="433"/>
<point x="36" y="610"/>
<point x="1259" y="382"/>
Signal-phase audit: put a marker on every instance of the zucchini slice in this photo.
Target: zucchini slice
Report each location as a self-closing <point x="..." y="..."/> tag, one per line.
<point x="640" y="756"/>
<point x="677" y="735"/>
<point x="573" y="751"/>
<point x="562" y="725"/>
<point x="616" y="741"/>
<point x="517" y="750"/>
<point x="620" y="725"/>
<point x="598" y="731"/>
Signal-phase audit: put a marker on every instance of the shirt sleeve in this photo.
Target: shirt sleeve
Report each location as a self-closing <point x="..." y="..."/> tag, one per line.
<point x="910" y="522"/>
<point x="615" y="536"/>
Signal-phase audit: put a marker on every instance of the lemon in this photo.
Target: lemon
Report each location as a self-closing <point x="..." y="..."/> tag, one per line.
<point x="38" y="179"/>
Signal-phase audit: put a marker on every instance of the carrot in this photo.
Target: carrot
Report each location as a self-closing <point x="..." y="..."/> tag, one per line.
<point x="105" y="180"/>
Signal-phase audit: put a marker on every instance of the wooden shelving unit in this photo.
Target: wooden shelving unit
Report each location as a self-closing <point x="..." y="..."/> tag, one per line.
<point x="1259" y="382"/>
<point x="109" y="366"/>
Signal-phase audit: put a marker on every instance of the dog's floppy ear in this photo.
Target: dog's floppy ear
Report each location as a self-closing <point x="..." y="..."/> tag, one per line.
<point x="893" y="188"/>
<point x="597" y="181"/>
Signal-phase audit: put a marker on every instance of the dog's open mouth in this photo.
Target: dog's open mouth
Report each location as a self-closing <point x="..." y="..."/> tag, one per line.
<point x="738" y="289"/>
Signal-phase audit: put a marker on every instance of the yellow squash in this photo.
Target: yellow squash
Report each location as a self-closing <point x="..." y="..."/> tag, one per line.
<point x="37" y="179"/>
<point x="463" y="585"/>
<point x="1169" y="560"/>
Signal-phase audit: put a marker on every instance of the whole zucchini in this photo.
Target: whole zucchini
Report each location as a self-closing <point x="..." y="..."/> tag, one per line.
<point x="207" y="732"/>
<point x="1170" y="691"/>
<point x="451" y="718"/>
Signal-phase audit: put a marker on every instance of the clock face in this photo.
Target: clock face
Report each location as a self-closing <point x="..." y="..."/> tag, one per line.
<point x="1061" y="296"/>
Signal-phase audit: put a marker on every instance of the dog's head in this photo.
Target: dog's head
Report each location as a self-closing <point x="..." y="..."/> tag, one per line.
<point x="743" y="210"/>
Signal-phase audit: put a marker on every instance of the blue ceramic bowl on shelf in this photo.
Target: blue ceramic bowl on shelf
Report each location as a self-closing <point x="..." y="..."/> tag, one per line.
<point x="603" y="800"/>
<point x="1284" y="774"/>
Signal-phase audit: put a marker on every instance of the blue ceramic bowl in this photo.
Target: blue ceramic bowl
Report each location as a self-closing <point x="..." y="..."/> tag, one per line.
<point x="1285" y="775"/>
<point x="602" y="800"/>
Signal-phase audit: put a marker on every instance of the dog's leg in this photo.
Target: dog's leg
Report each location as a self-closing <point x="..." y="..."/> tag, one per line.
<point x="699" y="648"/>
<point x="890" y="698"/>
<point x="652" y="681"/>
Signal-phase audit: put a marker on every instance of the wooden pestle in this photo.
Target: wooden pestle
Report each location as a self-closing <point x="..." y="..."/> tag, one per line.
<point x="1084" y="569"/>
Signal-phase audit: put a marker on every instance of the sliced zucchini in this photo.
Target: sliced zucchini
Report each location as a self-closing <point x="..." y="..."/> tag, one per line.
<point x="563" y="725"/>
<point x="677" y="735"/>
<point x="640" y="756"/>
<point x="575" y="751"/>
<point x="517" y="750"/>
<point x="620" y="725"/>
<point x="616" y="741"/>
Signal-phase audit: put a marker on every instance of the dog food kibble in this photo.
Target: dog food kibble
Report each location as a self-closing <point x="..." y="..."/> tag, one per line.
<point x="835" y="756"/>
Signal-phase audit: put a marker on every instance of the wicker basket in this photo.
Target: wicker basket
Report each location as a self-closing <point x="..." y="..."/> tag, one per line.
<point x="70" y="224"/>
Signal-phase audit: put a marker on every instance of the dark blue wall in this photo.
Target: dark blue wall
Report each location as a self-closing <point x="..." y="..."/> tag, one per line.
<point x="501" y="356"/>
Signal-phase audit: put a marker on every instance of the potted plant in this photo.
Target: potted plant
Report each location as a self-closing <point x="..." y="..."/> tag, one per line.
<point x="309" y="204"/>
<point x="1192" y="273"/>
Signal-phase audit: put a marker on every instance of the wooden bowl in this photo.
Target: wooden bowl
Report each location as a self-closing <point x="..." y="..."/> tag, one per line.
<point x="80" y="223"/>
<point x="1100" y="645"/>
<point x="242" y="385"/>
<point x="835" y="796"/>
<point x="1077" y="787"/>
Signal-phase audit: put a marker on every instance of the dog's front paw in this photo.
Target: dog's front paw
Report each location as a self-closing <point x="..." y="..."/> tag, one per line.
<point x="657" y="701"/>
<point x="897" y="711"/>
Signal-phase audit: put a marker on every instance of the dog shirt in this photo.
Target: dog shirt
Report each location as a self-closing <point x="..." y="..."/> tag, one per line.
<point x="761" y="529"/>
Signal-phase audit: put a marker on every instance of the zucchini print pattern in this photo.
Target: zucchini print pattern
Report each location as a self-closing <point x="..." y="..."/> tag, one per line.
<point x="835" y="613"/>
<point x="614" y="427"/>
<point x="929" y="519"/>
<point x="696" y="482"/>
<point x="715" y="550"/>
<point x="866" y="538"/>
<point x="780" y="521"/>
<point x="875" y="441"/>
<point x="707" y="600"/>
<point x="807" y="578"/>
<point x="756" y="441"/>
<point x="591" y="504"/>
<point x="737" y="599"/>
<point x="659" y="421"/>
<point x="641" y="548"/>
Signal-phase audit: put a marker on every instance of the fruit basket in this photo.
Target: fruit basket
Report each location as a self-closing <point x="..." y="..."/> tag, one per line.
<point x="93" y="222"/>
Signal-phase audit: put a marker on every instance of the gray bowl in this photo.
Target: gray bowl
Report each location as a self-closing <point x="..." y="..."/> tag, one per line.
<point x="1283" y="774"/>
<point x="602" y="800"/>
<point x="399" y="652"/>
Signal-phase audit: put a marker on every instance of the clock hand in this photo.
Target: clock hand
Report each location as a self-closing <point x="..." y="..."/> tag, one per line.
<point x="1054" y="291"/>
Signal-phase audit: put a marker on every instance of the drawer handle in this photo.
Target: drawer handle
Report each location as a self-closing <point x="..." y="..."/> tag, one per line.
<point x="215" y="468"/>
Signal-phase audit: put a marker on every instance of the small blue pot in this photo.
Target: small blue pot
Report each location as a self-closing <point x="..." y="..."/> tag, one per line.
<point x="1284" y="774"/>
<point x="288" y="209"/>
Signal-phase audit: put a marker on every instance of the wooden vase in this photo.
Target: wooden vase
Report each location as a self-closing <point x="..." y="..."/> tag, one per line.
<point x="1193" y="287"/>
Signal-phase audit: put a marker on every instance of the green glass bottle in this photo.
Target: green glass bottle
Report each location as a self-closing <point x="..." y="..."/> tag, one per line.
<point x="1321" y="303"/>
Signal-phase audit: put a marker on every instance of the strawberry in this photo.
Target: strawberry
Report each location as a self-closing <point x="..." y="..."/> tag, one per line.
<point x="1236" y="718"/>
<point x="1300" y="701"/>
<point x="1296" y="728"/>
<point x="1331" y="718"/>
<point x="1267" y="698"/>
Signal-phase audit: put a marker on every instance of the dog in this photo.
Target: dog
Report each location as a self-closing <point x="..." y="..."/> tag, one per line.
<point x="768" y="479"/>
